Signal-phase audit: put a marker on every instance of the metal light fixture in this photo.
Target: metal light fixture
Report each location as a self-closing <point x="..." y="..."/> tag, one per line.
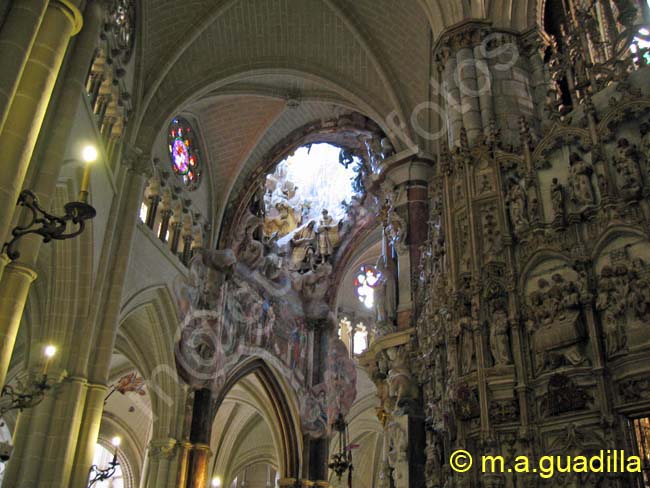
<point x="17" y="398"/>
<point x="54" y="227"/>
<point x="342" y="460"/>
<point x="109" y="471"/>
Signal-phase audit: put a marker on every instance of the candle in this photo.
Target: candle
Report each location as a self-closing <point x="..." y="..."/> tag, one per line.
<point x="89" y="155"/>
<point x="50" y="351"/>
<point x="116" y="442"/>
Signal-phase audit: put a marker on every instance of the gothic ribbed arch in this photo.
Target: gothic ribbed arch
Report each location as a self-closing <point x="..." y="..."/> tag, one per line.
<point x="537" y="259"/>
<point x="283" y="413"/>
<point x="149" y="122"/>
<point x="611" y="235"/>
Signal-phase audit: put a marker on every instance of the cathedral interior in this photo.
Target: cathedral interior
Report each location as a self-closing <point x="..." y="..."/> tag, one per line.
<point x="324" y="243"/>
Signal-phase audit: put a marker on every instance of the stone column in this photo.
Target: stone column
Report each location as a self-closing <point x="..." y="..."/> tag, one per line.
<point x="406" y="183"/>
<point x="199" y="465"/>
<point x="161" y="456"/>
<point x="486" y="82"/>
<point x="19" y="275"/>
<point x="61" y="21"/>
<point x="15" y="284"/>
<point x="166" y="213"/>
<point x="183" y="464"/>
<point x="388" y="363"/>
<point x="64" y="110"/>
<point x="316" y="451"/>
<point x="16" y="40"/>
<point x="152" y="193"/>
<point x="46" y="439"/>
<point x="55" y="441"/>
<point x="200" y="433"/>
<point x="89" y="431"/>
<point x="107" y="316"/>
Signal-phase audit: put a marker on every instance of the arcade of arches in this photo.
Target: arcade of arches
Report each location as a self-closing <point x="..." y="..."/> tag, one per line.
<point x="311" y="243"/>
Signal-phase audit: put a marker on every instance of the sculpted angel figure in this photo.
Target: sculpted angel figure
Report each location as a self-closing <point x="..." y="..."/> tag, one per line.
<point x="328" y="236"/>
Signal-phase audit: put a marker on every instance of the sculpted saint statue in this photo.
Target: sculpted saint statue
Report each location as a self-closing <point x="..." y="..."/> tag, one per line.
<point x="328" y="236"/>
<point x="517" y="203"/>
<point x="499" y="340"/>
<point x="627" y="167"/>
<point x="557" y="198"/>
<point x="301" y="242"/>
<point x="582" y="193"/>
<point x="386" y="293"/>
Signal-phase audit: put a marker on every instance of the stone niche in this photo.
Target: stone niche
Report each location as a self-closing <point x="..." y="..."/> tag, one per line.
<point x="555" y="327"/>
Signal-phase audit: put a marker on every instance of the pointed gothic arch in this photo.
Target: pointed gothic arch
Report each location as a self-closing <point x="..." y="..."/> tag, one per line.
<point x="284" y="411"/>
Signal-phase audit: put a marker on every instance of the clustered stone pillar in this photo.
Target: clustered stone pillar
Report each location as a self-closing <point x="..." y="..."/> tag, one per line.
<point x="55" y="440"/>
<point x="19" y="275"/>
<point x="405" y="190"/>
<point x="16" y="40"/>
<point x="164" y="457"/>
<point x="62" y="19"/>
<point x="485" y="82"/>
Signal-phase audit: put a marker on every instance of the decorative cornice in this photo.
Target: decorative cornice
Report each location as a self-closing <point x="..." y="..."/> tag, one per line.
<point x="380" y="344"/>
<point x="466" y="34"/>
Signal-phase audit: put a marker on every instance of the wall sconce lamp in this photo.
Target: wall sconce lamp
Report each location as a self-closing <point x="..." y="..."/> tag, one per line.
<point x="109" y="471"/>
<point x="22" y="397"/>
<point x="53" y="227"/>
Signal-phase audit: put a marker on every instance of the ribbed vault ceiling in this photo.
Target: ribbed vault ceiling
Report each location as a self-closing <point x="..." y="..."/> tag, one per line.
<point x="235" y="63"/>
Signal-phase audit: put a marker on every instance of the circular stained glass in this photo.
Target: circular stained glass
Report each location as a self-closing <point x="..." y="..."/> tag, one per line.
<point x="183" y="152"/>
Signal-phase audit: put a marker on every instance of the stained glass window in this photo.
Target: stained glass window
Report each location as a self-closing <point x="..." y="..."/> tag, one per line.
<point x="367" y="279"/>
<point x="183" y="152"/>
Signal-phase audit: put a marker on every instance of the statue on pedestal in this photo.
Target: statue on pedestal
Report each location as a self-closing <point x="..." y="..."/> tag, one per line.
<point x="627" y="168"/>
<point x="557" y="199"/>
<point x="499" y="338"/>
<point x="386" y="294"/>
<point x="517" y="205"/>
<point x="328" y="236"/>
<point x="582" y="193"/>
<point x="302" y="242"/>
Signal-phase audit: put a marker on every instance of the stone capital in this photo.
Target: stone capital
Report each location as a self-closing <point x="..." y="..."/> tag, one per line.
<point x="72" y="12"/>
<point x="163" y="448"/>
<point x="137" y="161"/>
<point x="24" y="271"/>
<point x="407" y="165"/>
